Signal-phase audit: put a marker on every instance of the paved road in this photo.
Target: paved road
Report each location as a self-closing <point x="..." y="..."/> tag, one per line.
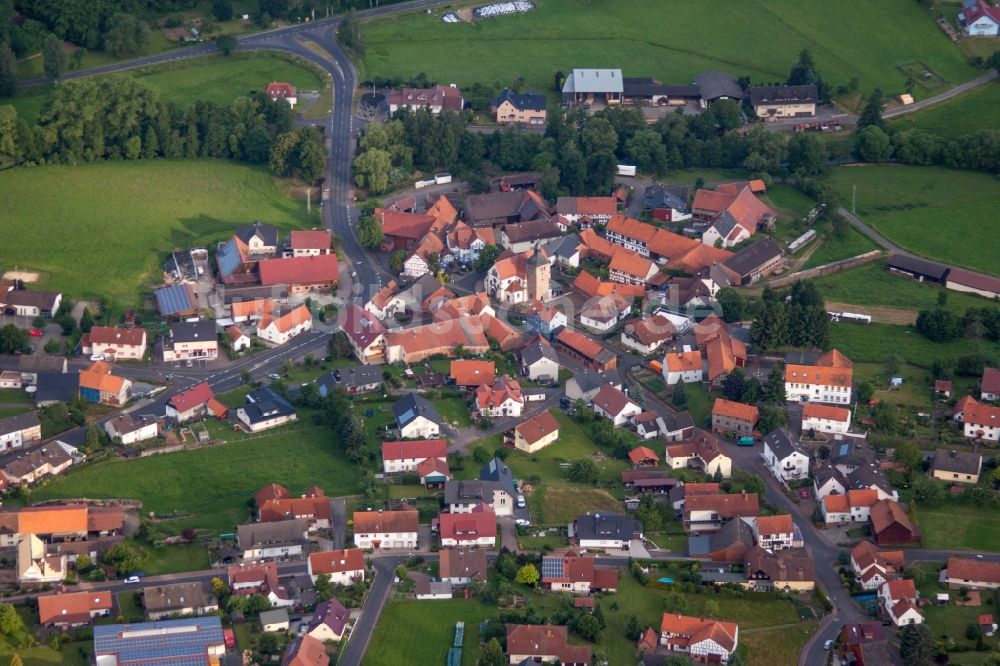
<point x="378" y="594"/>
<point x="948" y="94"/>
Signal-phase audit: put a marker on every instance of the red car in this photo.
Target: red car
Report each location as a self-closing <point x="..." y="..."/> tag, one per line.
<point x="35" y="333"/>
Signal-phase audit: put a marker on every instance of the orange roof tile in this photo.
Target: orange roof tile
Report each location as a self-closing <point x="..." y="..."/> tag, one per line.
<point x="315" y="239"/>
<point x="836" y="504"/>
<point x="337" y="561"/>
<point x="775" y="524"/>
<point x="386" y="522"/>
<point x="253" y="308"/>
<point x="682" y="361"/>
<point x="52" y="519"/>
<point x="814" y="410"/>
<point x="469" y="372"/>
<point x="287" y="321"/>
<point x="631" y="263"/>
<point x="537" y="427"/>
<point x="641" y="453"/>
<point x="735" y="410"/>
<point x="72" y="607"/>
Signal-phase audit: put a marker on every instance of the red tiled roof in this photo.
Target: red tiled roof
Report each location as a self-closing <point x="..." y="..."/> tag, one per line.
<point x="473" y="372"/>
<point x="980" y="571"/>
<point x="72" y="607"/>
<point x="580" y="343"/>
<point x="415" y="450"/>
<point x="197" y="395"/>
<point x="386" y="522"/>
<point x="976" y="413"/>
<point x="641" y="453"/>
<point x="468" y="526"/>
<point x="537" y="427"/>
<point x="775" y="524"/>
<point x="727" y="506"/>
<point x="361" y="326"/>
<point x="271" y="491"/>
<point x="696" y="629"/>
<point x="311" y="508"/>
<point x="901" y="588"/>
<point x="611" y="400"/>
<point x="315" y="239"/>
<point x="116" y="335"/>
<point x="280" y="90"/>
<point x="735" y="410"/>
<point x="886" y="512"/>
<point x="287" y="321"/>
<point x="299" y="270"/>
<point x="814" y="410"/>
<point x="430" y="466"/>
<point x="682" y="361"/>
<point x="492" y="397"/>
<point x="545" y="639"/>
<point x="337" y="561"/>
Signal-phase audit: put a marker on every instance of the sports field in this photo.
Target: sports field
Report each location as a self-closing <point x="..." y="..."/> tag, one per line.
<point x="671" y="40"/>
<point x="210" y="78"/>
<point x="214" y="484"/>
<point x="976" y="110"/>
<point x="103" y="230"/>
<point x="939" y="213"/>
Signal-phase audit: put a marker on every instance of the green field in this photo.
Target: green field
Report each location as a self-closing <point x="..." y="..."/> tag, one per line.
<point x="959" y="526"/>
<point x="560" y="504"/>
<point x="672" y="41"/>
<point x="876" y="342"/>
<point x="939" y="213"/>
<point x="835" y="248"/>
<point x="103" y="230"/>
<point x="420" y="632"/>
<point x="975" y="110"/>
<point x="210" y="79"/>
<point x="214" y="484"/>
<point x="858" y="285"/>
<point x="952" y="620"/>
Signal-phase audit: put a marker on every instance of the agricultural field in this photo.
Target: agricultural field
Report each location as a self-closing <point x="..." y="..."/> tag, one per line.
<point x="876" y="342"/>
<point x="671" y="41"/>
<point x="968" y="113"/>
<point x="918" y="207"/>
<point x="214" y="79"/>
<point x="855" y="286"/>
<point x="113" y="223"/>
<point x="954" y="525"/>
<point x="297" y="456"/>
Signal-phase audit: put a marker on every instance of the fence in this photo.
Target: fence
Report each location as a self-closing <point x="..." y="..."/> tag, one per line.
<point x="827" y="269"/>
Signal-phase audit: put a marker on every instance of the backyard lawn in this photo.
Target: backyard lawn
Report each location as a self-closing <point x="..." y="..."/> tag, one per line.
<point x="202" y="482"/>
<point x="951" y="620"/>
<point x="671" y="41"/>
<point x="560" y="504"/>
<point x="118" y="220"/>
<point x="968" y="113"/>
<point x="954" y="525"/>
<point x="420" y="632"/>
<point x="214" y="79"/>
<point x="918" y="206"/>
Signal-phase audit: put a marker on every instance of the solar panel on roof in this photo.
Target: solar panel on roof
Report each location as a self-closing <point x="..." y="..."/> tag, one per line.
<point x="174" y="299"/>
<point x="407" y="416"/>
<point x="552" y="567"/>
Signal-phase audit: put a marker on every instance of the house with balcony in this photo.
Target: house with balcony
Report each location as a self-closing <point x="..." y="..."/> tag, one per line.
<point x="784" y="457"/>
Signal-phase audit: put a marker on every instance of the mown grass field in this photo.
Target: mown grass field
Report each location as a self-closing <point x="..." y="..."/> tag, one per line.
<point x="873" y="284"/>
<point x="952" y="525"/>
<point x="103" y="230"/>
<point x="834" y="247"/>
<point x="939" y="213"/>
<point x="876" y="342"/>
<point x="214" y="484"/>
<point x="966" y="114"/>
<point x="671" y="40"/>
<point x="560" y="504"/>
<point x="210" y="79"/>
<point x="420" y="632"/>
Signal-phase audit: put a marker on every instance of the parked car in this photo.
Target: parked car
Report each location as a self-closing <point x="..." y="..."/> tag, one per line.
<point x="274" y="375"/>
<point x="35" y="333"/>
<point x="97" y="357"/>
<point x="132" y="579"/>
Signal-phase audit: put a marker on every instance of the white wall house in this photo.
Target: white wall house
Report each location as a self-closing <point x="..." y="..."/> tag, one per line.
<point x="784" y="458"/>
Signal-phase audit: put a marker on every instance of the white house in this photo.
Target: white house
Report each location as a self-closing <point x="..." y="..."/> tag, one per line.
<point x="825" y="419"/>
<point x="682" y="367"/>
<point x="981" y="421"/>
<point x="605" y="313"/>
<point x="385" y="530"/>
<point x="777" y="533"/>
<point x="605" y="531"/>
<point x="784" y="458"/>
<point x="645" y="336"/>
<point x="852" y="507"/>
<point x="271" y="541"/>
<point x="400" y="457"/>
<point x="898" y="599"/>
<point x="416" y="417"/>
<point x="828" y="380"/>
<point x="873" y="567"/>
<point x="280" y="329"/>
<point x="131" y="430"/>
<point x="539" y="360"/>
<point x="238" y="340"/>
<point x="707" y="641"/>
<point x="35" y="566"/>
<point x="614" y="405"/>
<point x="979" y="18"/>
<point x="476" y="528"/>
<point x="386" y="302"/>
<point x="344" y="567"/>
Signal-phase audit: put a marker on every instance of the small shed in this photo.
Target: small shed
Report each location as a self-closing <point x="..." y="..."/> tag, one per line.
<point x="896" y="382"/>
<point x="274" y="620"/>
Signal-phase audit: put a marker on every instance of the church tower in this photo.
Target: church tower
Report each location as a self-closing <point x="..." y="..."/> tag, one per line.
<point x="538" y="277"/>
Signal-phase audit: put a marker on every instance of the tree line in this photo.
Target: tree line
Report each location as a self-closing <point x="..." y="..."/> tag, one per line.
<point x="118" y="117"/>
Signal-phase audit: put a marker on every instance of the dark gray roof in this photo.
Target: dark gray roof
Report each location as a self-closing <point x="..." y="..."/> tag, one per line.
<point x="666" y="196"/>
<point x="589" y="380"/>
<point x="410" y="406"/>
<point x="643" y="87"/>
<point x="33" y="363"/>
<point x="536" y="350"/>
<point x="354" y="377"/>
<point x="866" y="476"/>
<point x="606" y="526"/>
<point x="523" y="101"/>
<point x="781" y="444"/>
<point x="266" y="232"/>
<point x="827" y="471"/>
<point x="725" y="223"/>
<point x="471" y="492"/>
<point x="193" y="331"/>
<point x="689" y="91"/>
<point x="732" y="532"/>
<point x="498" y="471"/>
<point x="677" y="421"/>
<point x="56" y="387"/>
<point x="18" y="422"/>
<point x="564" y="246"/>
<point x="714" y="85"/>
<point x="783" y="94"/>
<point x="282" y="531"/>
<point x="961" y="462"/>
<point x="265" y="404"/>
<point x="918" y="266"/>
<point x="851" y="453"/>
<point x="801" y="357"/>
<point x="176" y="597"/>
<point x="753" y="256"/>
<point x="531" y="231"/>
